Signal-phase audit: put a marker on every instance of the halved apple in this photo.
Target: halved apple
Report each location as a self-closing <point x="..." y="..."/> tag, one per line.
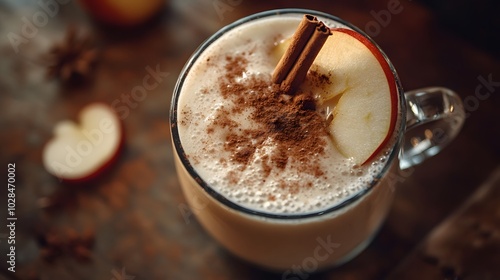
<point x="366" y="113"/>
<point x="80" y="152"/>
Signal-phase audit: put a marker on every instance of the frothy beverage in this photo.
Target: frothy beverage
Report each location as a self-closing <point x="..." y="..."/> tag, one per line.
<point x="259" y="167"/>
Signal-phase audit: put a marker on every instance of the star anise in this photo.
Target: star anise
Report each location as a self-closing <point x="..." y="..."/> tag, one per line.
<point x="72" y="59"/>
<point x="66" y="242"/>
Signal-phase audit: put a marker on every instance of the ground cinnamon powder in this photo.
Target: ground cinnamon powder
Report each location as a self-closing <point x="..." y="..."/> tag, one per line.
<point x="292" y="122"/>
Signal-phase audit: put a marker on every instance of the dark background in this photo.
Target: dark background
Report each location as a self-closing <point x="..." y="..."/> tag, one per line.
<point x="133" y="220"/>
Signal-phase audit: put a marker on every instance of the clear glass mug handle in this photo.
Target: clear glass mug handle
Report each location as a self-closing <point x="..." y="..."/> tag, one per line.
<point x="434" y="116"/>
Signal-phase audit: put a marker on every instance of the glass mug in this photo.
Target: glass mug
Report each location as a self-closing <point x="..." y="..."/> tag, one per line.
<point x="428" y="120"/>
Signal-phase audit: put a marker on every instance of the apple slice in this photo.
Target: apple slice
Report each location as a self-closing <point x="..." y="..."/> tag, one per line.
<point x="80" y="152"/>
<point x="124" y="13"/>
<point x="366" y="113"/>
<point x="280" y="48"/>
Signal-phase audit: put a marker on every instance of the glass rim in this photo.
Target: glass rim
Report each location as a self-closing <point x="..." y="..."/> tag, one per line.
<point x="179" y="150"/>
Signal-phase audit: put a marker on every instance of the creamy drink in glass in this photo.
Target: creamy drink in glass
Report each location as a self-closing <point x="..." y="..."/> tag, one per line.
<point x="259" y="168"/>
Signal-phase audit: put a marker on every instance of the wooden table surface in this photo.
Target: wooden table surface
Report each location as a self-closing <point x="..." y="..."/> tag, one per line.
<point x="131" y="223"/>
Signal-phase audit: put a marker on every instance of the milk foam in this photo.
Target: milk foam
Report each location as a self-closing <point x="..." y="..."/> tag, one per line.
<point x="199" y="105"/>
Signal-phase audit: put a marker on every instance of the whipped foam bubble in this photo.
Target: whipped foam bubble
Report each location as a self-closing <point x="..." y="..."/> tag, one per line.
<point x="280" y="191"/>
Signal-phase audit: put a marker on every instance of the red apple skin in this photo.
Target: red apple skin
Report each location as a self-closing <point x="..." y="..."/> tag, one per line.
<point x="390" y="80"/>
<point x="106" y="12"/>
<point x="106" y="166"/>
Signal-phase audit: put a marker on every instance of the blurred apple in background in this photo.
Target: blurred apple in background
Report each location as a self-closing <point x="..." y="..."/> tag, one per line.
<point x="123" y="13"/>
<point x="79" y="152"/>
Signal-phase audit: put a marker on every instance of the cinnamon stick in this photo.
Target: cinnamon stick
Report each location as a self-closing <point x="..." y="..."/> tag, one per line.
<point x="298" y="58"/>
<point x="299" y="41"/>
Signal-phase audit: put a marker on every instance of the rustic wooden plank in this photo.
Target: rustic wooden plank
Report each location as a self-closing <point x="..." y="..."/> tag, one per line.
<point x="464" y="246"/>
